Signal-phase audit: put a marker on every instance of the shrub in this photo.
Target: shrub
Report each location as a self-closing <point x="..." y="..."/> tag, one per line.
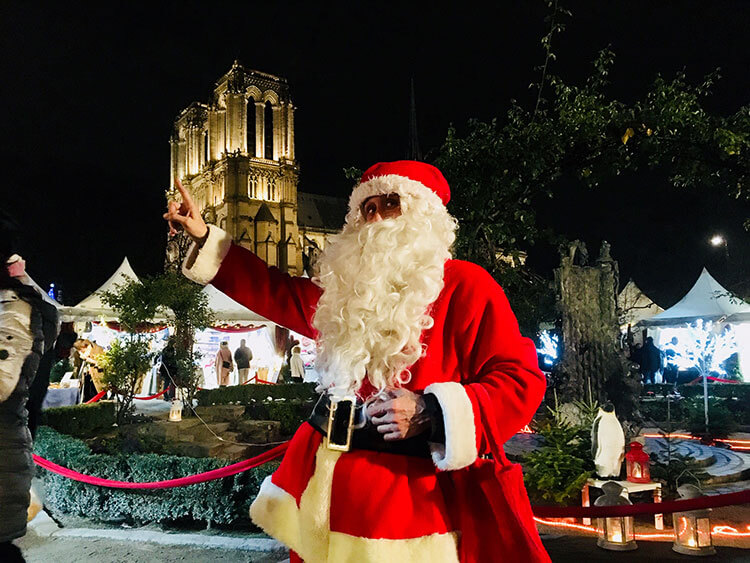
<point x="82" y="421"/>
<point x="674" y="469"/>
<point x="123" y="364"/>
<point x="556" y="472"/>
<point x="721" y="423"/>
<point x="255" y="392"/>
<point x="740" y="391"/>
<point x="223" y="501"/>
<point x="658" y="410"/>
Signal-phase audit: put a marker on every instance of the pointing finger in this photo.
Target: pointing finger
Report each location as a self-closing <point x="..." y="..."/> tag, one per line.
<point x="185" y="195"/>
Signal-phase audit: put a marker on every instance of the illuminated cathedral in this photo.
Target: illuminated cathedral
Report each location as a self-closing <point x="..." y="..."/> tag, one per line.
<point x="236" y="156"/>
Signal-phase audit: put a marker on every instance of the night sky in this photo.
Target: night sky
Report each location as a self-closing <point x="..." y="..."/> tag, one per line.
<point x="90" y="91"/>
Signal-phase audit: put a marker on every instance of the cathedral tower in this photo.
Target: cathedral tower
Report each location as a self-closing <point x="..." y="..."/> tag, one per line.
<point x="235" y="155"/>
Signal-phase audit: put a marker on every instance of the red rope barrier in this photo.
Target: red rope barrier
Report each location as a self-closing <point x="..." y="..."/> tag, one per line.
<point x="254" y="379"/>
<point x="153" y="396"/>
<point x="712" y="379"/>
<point x="101" y="394"/>
<point x="96" y="397"/>
<point x="714" y="501"/>
<point x="219" y="473"/>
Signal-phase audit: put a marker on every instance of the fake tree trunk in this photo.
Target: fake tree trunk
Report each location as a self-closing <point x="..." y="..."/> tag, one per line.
<point x="592" y="365"/>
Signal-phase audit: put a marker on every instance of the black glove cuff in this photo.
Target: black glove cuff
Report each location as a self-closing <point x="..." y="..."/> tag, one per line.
<point x="435" y="412"/>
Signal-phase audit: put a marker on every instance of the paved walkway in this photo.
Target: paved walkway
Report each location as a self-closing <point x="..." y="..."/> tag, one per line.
<point x="722" y="465"/>
<point x="71" y="549"/>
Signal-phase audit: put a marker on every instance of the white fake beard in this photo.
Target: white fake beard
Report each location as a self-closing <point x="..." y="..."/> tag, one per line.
<point x="378" y="282"/>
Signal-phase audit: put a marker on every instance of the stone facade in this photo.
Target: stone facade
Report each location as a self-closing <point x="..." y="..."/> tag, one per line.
<point x="236" y="156"/>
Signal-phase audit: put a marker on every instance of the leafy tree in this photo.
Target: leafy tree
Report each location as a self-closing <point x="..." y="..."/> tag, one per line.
<point x="499" y="170"/>
<point x="124" y="364"/>
<point x="174" y="298"/>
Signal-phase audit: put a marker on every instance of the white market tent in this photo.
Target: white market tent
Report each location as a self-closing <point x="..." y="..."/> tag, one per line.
<point x="637" y="306"/>
<point x="227" y="310"/>
<point x="93" y="308"/>
<point x="710" y="301"/>
<point x="707" y="300"/>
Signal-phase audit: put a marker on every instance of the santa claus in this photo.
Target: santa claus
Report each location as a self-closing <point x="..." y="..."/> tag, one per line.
<point x="423" y="374"/>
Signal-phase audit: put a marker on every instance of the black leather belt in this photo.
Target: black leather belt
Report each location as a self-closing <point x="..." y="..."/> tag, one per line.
<point x="363" y="434"/>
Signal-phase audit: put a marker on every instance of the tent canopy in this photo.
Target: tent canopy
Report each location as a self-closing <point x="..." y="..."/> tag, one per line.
<point x="93" y="308"/>
<point x="636" y="305"/>
<point x="707" y="300"/>
<point x="227" y="310"/>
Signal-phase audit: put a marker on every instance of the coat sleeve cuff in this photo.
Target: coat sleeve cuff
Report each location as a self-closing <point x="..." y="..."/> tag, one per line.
<point x="460" y="448"/>
<point x="202" y="264"/>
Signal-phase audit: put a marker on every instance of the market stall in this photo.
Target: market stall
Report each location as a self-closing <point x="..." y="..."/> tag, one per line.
<point x="707" y="301"/>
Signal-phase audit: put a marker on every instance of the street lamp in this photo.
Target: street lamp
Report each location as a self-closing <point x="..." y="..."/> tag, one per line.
<point x="719" y="240"/>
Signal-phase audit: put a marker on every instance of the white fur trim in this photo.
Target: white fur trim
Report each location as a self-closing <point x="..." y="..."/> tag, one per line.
<point x="202" y="264"/>
<point x="306" y="529"/>
<point x="436" y="548"/>
<point x="460" y="448"/>
<point x="390" y="184"/>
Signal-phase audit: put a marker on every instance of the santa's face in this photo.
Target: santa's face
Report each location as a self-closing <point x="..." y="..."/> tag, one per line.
<point x="379" y="277"/>
<point x="380" y="207"/>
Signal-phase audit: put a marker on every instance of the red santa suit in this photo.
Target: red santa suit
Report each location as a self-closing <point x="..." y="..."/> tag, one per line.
<point x="365" y="505"/>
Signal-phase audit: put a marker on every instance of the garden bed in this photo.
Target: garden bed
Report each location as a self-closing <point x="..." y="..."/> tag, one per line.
<point x="224" y="501"/>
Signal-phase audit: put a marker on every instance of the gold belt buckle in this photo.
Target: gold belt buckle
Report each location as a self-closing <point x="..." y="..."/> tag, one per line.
<point x="333" y="410"/>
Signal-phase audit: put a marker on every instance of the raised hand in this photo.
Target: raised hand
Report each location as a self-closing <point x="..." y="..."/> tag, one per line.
<point x="185" y="215"/>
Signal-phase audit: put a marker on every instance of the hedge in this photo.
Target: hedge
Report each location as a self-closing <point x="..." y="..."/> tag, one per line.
<point x="255" y="392"/>
<point x="739" y="391"/>
<point x="82" y="421"/>
<point x="682" y="409"/>
<point x="223" y="501"/>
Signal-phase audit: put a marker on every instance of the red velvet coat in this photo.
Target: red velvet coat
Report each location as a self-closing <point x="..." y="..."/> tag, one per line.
<point x="387" y="506"/>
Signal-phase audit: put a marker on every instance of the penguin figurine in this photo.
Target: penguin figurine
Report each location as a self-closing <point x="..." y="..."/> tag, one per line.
<point x="607" y="443"/>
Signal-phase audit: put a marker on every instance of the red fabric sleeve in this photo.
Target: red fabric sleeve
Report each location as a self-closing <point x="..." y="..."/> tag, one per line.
<point x="497" y="356"/>
<point x="286" y="300"/>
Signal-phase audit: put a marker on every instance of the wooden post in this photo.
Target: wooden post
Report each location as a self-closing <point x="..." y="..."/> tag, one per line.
<point x="585" y="502"/>
<point x="658" y="518"/>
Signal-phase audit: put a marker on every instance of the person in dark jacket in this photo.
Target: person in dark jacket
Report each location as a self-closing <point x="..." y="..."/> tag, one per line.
<point x="242" y="357"/>
<point x="28" y="326"/>
<point x="650" y="361"/>
<point x="38" y="389"/>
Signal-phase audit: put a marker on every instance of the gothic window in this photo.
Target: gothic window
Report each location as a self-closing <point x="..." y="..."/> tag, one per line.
<point x="206" y="155"/>
<point x="250" y="126"/>
<point x="268" y="132"/>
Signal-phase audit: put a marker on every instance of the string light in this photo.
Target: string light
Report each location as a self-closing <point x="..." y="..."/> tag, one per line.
<point x="720" y="530"/>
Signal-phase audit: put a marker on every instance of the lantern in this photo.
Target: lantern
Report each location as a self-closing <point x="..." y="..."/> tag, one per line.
<point x="615" y="533"/>
<point x="175" y="411"/>
<point x="692" y="529"/>
<point x="637" y="464"/>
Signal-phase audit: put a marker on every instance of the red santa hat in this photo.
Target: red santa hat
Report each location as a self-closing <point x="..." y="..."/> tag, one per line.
<point x="403" y="177"/>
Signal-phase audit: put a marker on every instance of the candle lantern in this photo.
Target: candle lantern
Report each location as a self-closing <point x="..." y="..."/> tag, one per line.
<point x="692" y="529"/>
<point x="175" y="411"/>
<point x="616" y="533"/>
<point x="638" y="464"/>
